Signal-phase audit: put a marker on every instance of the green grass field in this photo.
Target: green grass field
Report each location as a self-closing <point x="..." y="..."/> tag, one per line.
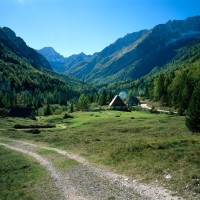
<point x="22" y="178"/>
<point x="145" y="146"/>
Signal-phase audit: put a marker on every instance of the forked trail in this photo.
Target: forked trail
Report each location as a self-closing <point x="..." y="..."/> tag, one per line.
<point x="87" y="181"/>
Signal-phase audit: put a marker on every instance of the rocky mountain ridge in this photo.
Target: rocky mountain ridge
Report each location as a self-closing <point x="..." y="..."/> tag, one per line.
<point x="60" y="63"/>
<point x="147" y="51"/>
<point x="19" y="47"/>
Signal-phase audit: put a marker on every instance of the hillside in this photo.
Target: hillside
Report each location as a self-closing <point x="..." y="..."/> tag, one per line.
<point x="17" y="45"/>
<point x="95" y="63"/>
<point x="173" y="84"/>
<point x="138" y="54"/>
<point x="60" y="63"/>
<point x="26" y="78"/>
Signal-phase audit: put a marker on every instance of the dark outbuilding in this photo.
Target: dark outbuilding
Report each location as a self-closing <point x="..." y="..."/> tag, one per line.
<point x="22" y="112"/>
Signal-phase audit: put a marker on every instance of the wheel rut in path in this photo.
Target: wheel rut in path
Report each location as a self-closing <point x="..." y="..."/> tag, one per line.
<point x="87" y="181"/>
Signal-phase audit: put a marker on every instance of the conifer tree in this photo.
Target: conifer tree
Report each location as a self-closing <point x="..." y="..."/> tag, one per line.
<point x="193" y="112"/>
<point x="71" y="108"/>
<point x="48" y="110"/>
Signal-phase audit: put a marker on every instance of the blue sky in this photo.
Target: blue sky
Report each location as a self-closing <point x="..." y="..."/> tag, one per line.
<point x="74" y="26"/>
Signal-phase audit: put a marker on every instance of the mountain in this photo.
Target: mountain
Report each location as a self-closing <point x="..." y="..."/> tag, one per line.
<point x="60" y="63"/>
<point x="51" y="55"/>
<point x="138" y="54"/>
<point x="74" y="59"/>
<point x="83" y="69"/>
<point x="173" y="84"/>
<point x="19" y="47"/>
<point x="55" y="59"/>
<point x="26" y="77"/>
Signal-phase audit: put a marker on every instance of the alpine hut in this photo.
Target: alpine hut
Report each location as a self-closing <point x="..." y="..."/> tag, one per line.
<point x="118" y="104"/>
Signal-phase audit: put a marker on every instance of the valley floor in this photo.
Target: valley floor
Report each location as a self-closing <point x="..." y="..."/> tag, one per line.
<point x="85" y="180"/>
<point x="144" y="155"/>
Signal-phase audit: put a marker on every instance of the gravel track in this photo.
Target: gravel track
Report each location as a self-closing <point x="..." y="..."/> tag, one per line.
<point x="89" y="182"/>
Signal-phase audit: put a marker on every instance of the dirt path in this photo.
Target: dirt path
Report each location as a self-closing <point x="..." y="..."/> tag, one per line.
<point x="146" y="107"/>
<point x="87" y="181"/>
<point x="66" y="191"/>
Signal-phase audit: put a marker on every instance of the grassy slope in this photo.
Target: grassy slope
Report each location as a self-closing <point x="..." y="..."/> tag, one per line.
<point x="148" y="147"/>
<point x="22" y="178"/>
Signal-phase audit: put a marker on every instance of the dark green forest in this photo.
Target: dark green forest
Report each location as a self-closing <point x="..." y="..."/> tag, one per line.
<point x="22" y="84"/>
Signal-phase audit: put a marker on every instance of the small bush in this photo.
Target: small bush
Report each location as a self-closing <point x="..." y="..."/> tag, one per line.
<point x="66" y="116"/>
<point x="22" y="126"/>
<point x="153" y="110"/>
<point x="3" y="112"/>
<point x="136" y="108"/>
<point x="34" y="131"/>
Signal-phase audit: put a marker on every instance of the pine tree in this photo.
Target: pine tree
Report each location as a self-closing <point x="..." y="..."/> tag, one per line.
<point x="159" y="87"/>
<point x="47" y="110"/>
<point x="193" y="112"/>
<point x="103" y="98"/>
<point x="71" y="108"/>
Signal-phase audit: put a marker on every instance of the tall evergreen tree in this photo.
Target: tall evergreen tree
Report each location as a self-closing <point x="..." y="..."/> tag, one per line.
<point x="159" y="87"/>
<point x="71" y="108"/>
<point x="47" y="110"/>
<point x="193" y="112"/>
<point x="103" y="98"/>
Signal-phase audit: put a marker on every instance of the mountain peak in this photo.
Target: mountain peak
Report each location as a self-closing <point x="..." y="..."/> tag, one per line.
<point x="48" y="50"/>
<point x="16" y="44"/>
<point x="9" y="32"/>
<point x="51" y="55"/>
<point x="58" y="62"/>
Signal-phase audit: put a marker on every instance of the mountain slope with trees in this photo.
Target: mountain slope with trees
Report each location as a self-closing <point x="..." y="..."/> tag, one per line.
<point x="148" y="51"/>
<point x="172" y="85"/>
<point x="17" y="45"/>
<point x="96" y="63"/>
<point x="27" y="79"/>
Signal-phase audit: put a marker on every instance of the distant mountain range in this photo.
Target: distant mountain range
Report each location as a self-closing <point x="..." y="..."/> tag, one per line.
<point x="58" y="62"/>
<point x="135" y="55"/>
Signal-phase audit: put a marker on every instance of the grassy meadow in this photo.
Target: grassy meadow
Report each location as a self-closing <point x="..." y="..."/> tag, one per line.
<point x="21" y="177"/>
<point x="148" y="147"/>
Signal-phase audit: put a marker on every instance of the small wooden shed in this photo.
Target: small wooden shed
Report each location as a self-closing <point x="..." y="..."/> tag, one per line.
<point x="133" y="101"/>
<point x="118" y="104"/>
<point x="22" y="112"/>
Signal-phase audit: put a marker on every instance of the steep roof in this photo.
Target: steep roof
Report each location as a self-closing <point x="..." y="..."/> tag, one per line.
<point x="117" y="101"/>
